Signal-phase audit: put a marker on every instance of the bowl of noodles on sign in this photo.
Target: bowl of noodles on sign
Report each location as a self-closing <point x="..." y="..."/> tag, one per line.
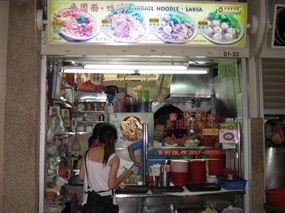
<point x="176" y="27"/>
<point x="223" y="28"/>
<point x="127" y="25"/>
<point x="75" y="25"/>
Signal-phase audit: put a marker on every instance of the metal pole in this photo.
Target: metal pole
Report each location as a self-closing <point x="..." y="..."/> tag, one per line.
<point x="144" y="158"/>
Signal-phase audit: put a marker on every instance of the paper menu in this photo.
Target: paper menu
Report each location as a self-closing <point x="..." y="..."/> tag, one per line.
<point x="124" y="164"/>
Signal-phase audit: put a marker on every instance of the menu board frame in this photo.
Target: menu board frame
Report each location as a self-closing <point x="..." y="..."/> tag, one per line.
<point x="277" y="40"/>
<point x="240" y="43"/>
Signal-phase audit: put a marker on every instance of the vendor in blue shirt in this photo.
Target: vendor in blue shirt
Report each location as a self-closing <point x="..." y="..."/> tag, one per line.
<point x="153" y="157"/>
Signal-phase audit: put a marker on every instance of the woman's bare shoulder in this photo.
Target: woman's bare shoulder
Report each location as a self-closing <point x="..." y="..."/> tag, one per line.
<point x="114" y="158"/>
<point x="96" y="154"/>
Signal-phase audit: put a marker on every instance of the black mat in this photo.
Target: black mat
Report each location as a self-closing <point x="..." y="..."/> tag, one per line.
<point x="132" y="189"/>
<point x="155" y="189"/>
<point x="201" y="187"/>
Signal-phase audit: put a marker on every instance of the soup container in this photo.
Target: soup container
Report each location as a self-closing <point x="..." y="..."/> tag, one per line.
<point x="179" y="172"/>
<point x="179" y="166"/>
<point x="197" y="171"/>
<point x="216" y="164"/>
<point x="179" y="178"/>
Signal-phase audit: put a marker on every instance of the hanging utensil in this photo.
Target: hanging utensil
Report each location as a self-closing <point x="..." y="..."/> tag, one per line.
<point x="76" y="144"/>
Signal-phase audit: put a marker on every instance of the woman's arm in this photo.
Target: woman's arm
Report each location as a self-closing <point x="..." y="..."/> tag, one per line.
<point x="82" y="169"/>
<point x="113" y="179"/>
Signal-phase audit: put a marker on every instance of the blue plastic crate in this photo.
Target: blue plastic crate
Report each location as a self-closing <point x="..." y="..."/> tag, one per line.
<point x="235" y="184"/>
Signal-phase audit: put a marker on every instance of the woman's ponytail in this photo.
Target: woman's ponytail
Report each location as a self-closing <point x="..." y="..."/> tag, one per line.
<point x="108" y="136"/>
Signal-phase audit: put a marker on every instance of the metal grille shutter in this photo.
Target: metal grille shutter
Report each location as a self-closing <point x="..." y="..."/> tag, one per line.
<point x="274" y="83"/>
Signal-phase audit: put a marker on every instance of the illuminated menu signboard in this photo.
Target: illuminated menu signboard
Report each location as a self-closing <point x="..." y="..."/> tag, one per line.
<point x="115" y="22"/>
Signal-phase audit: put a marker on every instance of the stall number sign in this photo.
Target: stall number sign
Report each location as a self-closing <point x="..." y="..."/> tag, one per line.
<point x="227" y="68"/>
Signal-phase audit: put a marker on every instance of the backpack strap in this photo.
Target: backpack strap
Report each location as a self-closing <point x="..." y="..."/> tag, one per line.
<point x="88" y="186"/>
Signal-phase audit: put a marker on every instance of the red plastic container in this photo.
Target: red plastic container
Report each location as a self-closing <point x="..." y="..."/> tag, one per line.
<point x="50" y="195"/>
<point x="197" y="171"/>
<point x="276" y="197"/>
<point x="179" y="178"/>
<point x="216" y="164"/>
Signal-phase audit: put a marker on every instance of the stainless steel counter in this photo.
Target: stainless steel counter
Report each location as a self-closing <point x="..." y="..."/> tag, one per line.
<point x="163" y="202"/>
<point x="186" y="192"/>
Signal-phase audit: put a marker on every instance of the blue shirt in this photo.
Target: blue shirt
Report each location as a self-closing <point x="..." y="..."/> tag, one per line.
<point x="152" y="155"/>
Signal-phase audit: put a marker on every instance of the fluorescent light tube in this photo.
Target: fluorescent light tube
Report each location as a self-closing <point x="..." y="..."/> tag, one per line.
<point x="139" y="71"/>
<point x="102" y="71"/>
<point x="134" y="67"/>
<point x="174" y="71"/>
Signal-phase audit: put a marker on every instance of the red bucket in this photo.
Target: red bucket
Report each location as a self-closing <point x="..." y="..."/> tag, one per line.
<point x="216" y="164"/>
<point x="179" y="172"/>
<point x="197" y="171"/>
<point x="179" y="178"/>
<point x="276" y="197"/>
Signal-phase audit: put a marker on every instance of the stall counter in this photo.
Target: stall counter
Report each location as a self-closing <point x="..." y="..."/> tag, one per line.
<point x="169" y="201"/>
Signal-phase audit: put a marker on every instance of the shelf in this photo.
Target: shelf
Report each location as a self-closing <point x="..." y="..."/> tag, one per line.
<point x="72" y="133"/>
<point x="89" y="100"/>
<point x="81" y="96"/>
<point x="82" y="112"/>
<point x="86" y="123"/>
<point x="61" y="101"/>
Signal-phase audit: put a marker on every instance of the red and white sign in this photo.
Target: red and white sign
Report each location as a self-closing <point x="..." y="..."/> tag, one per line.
<point x="228" y="136"/>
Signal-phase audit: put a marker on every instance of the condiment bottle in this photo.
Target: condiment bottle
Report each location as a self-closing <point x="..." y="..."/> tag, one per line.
<point x="119" y="102"/>
<point x="150" y="181"/>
